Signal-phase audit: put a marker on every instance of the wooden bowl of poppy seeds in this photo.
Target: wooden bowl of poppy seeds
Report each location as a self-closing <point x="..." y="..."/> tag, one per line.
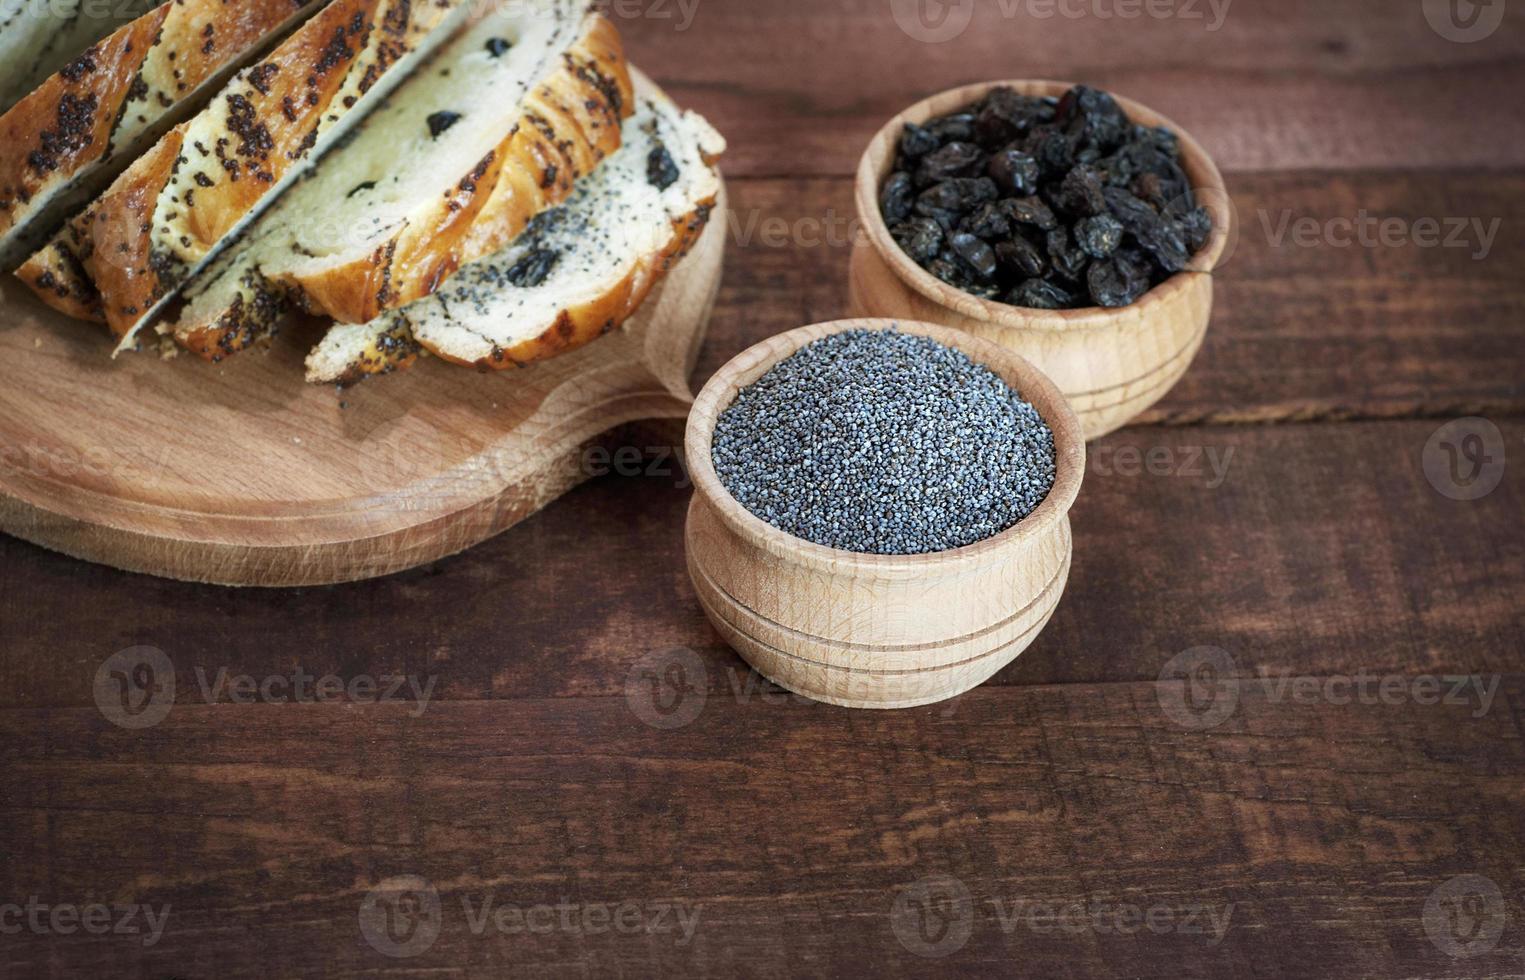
<point x="881" y="509"/>
<point x="1102" y="278"/>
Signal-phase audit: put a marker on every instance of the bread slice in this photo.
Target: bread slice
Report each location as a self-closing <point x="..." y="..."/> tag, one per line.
<point x="38" y="37"/>
<point x="578" y="272"/>
<point x="65" y="141"/>
<point x="166" y="216"/>
<point x="498" y="127"/>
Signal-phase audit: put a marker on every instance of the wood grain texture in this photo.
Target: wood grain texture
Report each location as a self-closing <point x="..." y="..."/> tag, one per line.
<point x="1285" y="85"/>
<point x="1304" y="327"/>
<point x="877" y="631"/>
<point x="262" y="830"/>
<point x="1321" y="551"/>
<point x="1164" y="561"/>
<point x="320" y="486"/>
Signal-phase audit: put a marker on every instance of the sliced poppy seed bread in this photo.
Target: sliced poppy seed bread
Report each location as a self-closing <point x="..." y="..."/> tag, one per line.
<point x="578" y="272"/>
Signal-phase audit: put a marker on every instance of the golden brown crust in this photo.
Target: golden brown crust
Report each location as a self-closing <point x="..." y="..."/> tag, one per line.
<point x="66" y="139"/>
<point x="67" y="123"/>
<point x="386" y="353"/>
<point x="114" y="241"/>
<point x="571" y="121"/>
<point x="273" y="113"/>
<point x="276" y="120"/>
<point x="580" y="325"/>
<point x="251" y="319"/>
<point x="59" y="280"/>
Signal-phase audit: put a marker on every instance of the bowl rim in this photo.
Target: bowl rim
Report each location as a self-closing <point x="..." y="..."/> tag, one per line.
<point x="873" y="168"/>
<point x="1033" y="385"/>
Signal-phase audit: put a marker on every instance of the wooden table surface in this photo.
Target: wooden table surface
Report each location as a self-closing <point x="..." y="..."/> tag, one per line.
<point x="592" y="785"/>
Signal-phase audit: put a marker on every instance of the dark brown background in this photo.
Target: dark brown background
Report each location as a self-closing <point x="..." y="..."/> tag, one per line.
<point x="1321" y="829"/>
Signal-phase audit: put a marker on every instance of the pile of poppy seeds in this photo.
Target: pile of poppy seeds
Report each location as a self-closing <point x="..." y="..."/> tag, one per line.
<point x="887" y="443"/>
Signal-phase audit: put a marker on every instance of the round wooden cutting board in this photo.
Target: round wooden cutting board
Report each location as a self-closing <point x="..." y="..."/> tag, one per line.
<point x="243" y="474"/>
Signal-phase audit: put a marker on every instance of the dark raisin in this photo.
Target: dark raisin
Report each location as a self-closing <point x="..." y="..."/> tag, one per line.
<point x="1080" y="193"/>
<point x="896" y="199"/>
<point x="498" y="46"/>
<point x="1040" y="294"/>
<point x="1069" y="260"/>
<point x="987" y="222"/>
<point x="1111" y="286"/>
<point x="1055" y="153"/>
<point x="949" y="272"/>
<point x="534" y="268"/>
<point x="1132" y="212"/>
<point x="1094" y="115"/>
<point x="953" y="160"/>
<point x="1006" y="114"/>
<point x="1099" y="236"/>
<point x="1014" y="172"/>
<point x="1163" y="139"/>
<point x="917" y="142"/>
<point x="1197" y="225"/>
<point x="1044" y="202"/>
<point x="439" y="122"/>
<point x="1150" y="188"/>
<point x="1030" y="211"/>
<point x="1022" y="257"/>
<point x="977" y="256"/>
<point x="661" y="171"/>
<point x="955" y="197"/>
<point x="920" y="238"/>
<point x="1159" y="237"/>
<point x="957" y="128"/>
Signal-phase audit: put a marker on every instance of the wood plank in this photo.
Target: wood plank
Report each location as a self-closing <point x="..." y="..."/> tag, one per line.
<point x="1294" y="85"/>
<point x="1311" y="550"/>
<point x="263" y="828"/>
<point x="1304" y="327"/>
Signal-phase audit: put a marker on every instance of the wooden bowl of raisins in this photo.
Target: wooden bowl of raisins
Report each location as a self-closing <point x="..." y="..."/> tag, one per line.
<point x="1076" y="228"/>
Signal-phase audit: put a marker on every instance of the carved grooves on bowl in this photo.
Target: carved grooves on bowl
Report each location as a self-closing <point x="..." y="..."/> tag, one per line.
<point x="751" y="624"/>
